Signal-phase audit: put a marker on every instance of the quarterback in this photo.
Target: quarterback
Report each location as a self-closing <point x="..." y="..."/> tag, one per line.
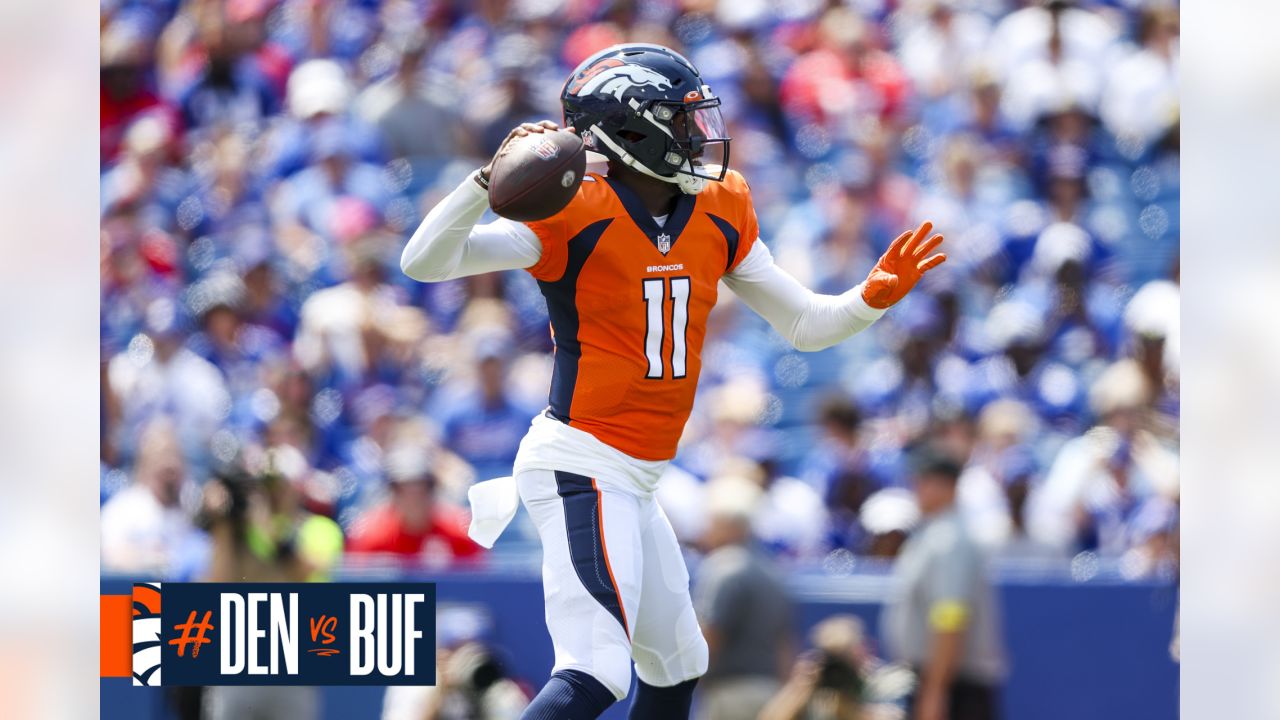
<point x="629" y="270"/>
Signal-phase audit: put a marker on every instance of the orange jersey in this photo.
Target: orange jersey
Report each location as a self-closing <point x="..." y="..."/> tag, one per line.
<point x="629" y="300"/>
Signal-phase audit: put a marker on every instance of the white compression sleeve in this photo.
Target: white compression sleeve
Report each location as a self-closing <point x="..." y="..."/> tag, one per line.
<point x="448" y="244"/>
<point x="807" y="320"/>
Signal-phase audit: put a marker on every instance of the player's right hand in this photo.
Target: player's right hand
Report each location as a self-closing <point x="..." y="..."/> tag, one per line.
<point x="519" y="131"/>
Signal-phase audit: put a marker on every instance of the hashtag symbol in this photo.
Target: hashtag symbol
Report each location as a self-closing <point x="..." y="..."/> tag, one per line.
<point x="190" y="628"/>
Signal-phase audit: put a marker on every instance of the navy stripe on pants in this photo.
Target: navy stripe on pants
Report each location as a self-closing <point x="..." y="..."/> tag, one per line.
<point x="586" y="541"/>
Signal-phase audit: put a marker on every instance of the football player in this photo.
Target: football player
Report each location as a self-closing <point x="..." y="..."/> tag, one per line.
<point x="629" y="270"/>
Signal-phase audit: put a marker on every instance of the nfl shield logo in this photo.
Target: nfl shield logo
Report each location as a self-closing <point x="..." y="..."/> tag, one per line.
<point x="664" y="243"/>
<point x="547" y="149"/>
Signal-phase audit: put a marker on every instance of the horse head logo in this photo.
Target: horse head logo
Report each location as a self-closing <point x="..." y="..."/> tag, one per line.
<point x="614" y="77"/>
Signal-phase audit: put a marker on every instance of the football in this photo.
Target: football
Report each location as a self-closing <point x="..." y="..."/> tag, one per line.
<point x="537" y="175"/>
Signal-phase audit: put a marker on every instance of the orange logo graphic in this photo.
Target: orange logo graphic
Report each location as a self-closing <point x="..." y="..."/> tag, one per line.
<point x="323" y="625"/>
<point x="580" y="81"/>
<point x="192" y="632"/>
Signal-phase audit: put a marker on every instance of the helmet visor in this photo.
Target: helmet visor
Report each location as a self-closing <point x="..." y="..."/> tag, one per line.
<point x="699" y="134"/>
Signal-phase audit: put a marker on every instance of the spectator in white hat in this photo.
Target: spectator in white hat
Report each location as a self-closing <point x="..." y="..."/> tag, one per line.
<point x="1098" y="478"/>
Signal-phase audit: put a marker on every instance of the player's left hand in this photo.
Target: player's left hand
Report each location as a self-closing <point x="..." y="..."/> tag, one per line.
<point x="901" y="267"/>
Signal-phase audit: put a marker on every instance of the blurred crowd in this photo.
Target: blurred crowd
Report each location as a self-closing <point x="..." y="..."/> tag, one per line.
<point x="263" y="162"/>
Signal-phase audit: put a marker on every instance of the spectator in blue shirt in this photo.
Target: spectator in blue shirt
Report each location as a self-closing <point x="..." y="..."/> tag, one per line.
<point x="484" y="424"/>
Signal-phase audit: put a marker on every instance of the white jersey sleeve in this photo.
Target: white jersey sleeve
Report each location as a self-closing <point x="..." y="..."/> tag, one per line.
<point x="808" y="320"/>
<point x="448" y="244"/>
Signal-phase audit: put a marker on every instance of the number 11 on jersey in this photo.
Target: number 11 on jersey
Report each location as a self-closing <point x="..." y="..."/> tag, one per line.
<point x="655" y="294"/>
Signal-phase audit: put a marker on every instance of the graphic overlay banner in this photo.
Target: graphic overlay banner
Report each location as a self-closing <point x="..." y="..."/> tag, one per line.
<point x="281" y="634"/>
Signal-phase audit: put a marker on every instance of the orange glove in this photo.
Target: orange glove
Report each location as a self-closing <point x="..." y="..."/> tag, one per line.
<point x="901" y="267"/>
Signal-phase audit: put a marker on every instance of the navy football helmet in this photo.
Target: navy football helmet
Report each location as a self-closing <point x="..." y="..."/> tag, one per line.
<point x="646" y="107"/>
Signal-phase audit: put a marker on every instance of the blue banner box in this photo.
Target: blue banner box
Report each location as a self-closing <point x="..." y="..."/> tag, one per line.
<point x="286" y="634"/>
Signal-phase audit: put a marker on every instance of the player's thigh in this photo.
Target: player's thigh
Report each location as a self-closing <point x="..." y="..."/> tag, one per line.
<point x="591" y="570"/>
<point x="667" y="644"/>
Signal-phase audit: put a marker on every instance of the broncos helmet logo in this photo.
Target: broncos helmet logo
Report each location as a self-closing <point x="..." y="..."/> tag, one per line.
<point x="614" y="77"/>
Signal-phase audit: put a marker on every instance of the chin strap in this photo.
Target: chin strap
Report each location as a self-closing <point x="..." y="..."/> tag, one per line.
<point x="689" y="184"/>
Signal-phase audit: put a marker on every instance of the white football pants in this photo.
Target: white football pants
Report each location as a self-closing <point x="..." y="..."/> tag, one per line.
<point x="615" y="582"/>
